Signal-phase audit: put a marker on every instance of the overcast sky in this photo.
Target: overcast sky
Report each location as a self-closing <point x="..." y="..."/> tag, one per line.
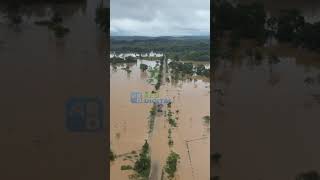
<point x="159" y="17"/>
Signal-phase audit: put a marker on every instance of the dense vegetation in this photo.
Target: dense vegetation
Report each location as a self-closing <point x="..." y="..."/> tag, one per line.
<point x="171" y="164"/>
<point x="170" y="140"/>
<point x="171" y="119"/>
<point x="250" y="21"/>
<point x="157" y="86"/>
<point x="152" y="117"/>
<point x="143" y="164"/>
<point x="143" y="67"/>
<point x="154" y="73"/>
<point x="129" y="59"/>
<point x="183" y="48"/>
<point x="112" y="156"/>
<point x="178" y="67"/>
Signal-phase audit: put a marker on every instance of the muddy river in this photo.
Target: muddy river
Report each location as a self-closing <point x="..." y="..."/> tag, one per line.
<point x="267" y="116"/>
<point x="129" y="123"/>
<point x="267" y="112"/>
<point x="39" y="73"/>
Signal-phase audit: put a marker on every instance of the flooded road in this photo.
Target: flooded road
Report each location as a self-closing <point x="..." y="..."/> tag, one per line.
<point x="39" y="73"/>
<point x="267" y="116"/>
<point x="129" y="124"/>
<point x="155" y="171"/>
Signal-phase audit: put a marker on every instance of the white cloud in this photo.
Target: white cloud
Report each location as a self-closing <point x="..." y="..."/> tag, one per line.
<point x="160" y="17"/>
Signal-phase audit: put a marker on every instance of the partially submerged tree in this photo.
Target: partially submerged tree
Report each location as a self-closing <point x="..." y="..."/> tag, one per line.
<point x="112" y="156"/>
<point x="143" y="164"/>
<point x="143" y="67"/>
<point x="171" y="164"/>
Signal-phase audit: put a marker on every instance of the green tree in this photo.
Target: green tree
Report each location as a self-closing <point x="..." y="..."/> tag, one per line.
<point x="112" y="156"/>
<point x="143" y="67"/>
<point x="143" y="164"/>
<point x="130" y="59"/>
<point x="171" y="164"/>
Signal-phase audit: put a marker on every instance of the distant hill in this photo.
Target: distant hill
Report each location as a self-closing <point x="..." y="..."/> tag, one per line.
<point x="182" y="47"/>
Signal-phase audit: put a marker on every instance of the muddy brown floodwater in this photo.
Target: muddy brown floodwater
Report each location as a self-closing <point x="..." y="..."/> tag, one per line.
<point x="267" y="116"/>
<point x="129" y="124"/>
<point x="39" y="73"/>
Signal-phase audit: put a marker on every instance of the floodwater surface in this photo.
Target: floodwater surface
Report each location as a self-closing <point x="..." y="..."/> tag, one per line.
<point x="266" y="113"/>
<point x="129" y="124"/>
<point x="39" y="73"/>
<point x="267" y="116"/>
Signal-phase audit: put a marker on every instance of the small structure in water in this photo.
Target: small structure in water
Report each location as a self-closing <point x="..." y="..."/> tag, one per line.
<point x="159" y="107"/>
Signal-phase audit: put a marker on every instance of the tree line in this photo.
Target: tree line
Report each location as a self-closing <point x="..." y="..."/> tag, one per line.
<point x="197" y="49"/>
<point x="251" y="21"/>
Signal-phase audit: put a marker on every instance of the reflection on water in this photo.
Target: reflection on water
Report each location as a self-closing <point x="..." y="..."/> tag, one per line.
<point x="85" y="39"/>
<point x="266" y="118"/>
<point x="38" y="74"/>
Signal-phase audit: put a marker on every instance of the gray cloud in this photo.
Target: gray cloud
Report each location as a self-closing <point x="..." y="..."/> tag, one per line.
<point x="160" y="17"/>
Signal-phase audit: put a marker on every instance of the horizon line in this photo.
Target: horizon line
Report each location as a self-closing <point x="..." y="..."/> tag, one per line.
<point x="156" y="36"/>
